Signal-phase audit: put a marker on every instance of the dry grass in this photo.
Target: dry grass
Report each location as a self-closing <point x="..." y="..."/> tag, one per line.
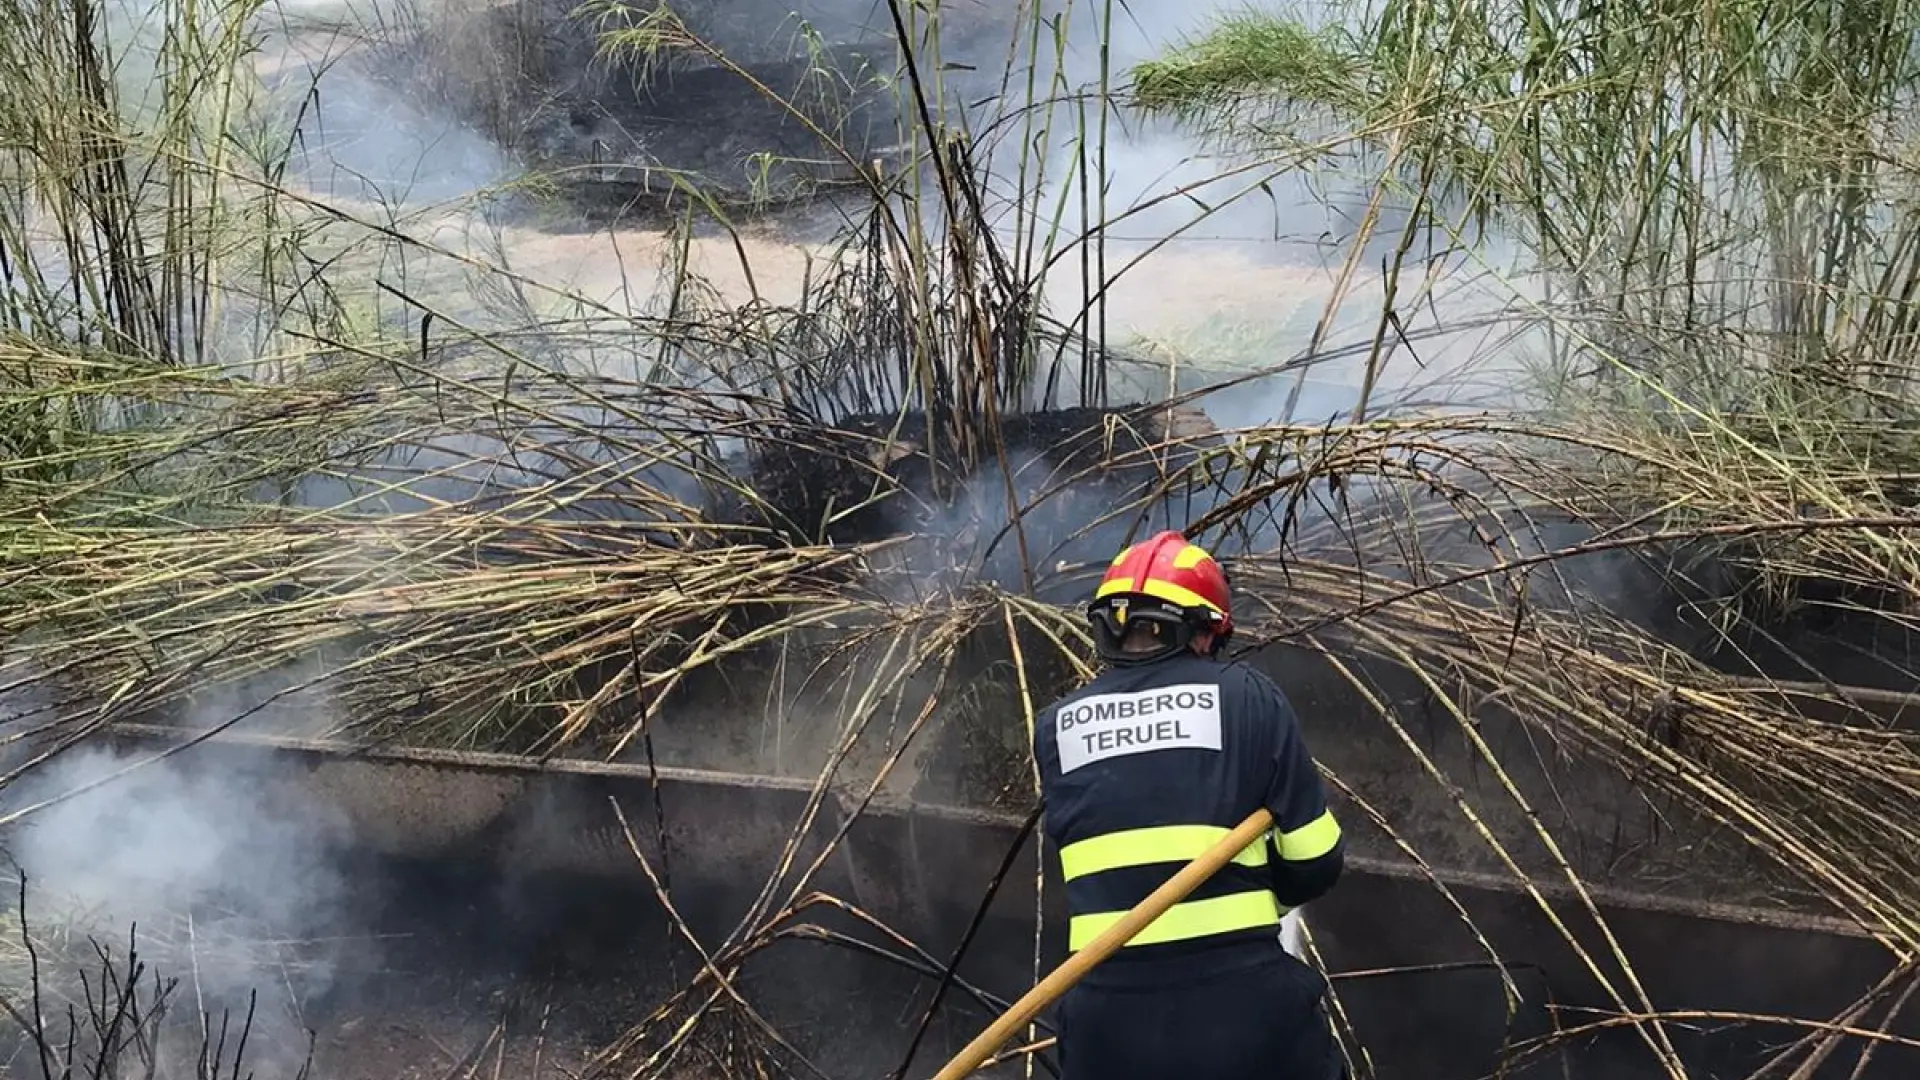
<point x="445" y="513"/>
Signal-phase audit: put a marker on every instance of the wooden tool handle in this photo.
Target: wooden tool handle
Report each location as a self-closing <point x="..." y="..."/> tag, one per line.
<point x="1076" y="966"/>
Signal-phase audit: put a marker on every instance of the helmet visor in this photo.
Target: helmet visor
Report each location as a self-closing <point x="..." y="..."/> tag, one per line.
<point x="1114" y="618"/>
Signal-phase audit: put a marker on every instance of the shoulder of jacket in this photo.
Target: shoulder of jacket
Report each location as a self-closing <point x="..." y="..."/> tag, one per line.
<point x="1257" y="685"/>
<point x="1086" y="689"/>
<point x="1241" y="673"/>
<point x="1089" y="689"/>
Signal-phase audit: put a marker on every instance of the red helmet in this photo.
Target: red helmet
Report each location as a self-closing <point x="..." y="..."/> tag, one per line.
<point x="1172" y="585"/>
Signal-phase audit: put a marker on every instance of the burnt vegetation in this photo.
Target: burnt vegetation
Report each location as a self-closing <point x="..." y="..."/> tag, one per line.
<point x="100" y="1010"/>
<point x="635" y="112"/>
<point x="1651" y="625"/>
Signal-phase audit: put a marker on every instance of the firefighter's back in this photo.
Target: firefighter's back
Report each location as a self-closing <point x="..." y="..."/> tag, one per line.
<point x="1142" y="771"/>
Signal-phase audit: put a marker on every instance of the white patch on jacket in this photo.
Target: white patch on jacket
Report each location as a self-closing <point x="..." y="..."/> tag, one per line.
<point x="1185" y="717"/>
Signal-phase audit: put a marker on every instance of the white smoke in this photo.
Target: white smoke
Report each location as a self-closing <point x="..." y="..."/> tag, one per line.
<point x="224" y="878"/>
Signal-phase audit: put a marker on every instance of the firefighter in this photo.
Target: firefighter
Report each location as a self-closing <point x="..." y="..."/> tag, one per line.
<point x="1141" y="771"/>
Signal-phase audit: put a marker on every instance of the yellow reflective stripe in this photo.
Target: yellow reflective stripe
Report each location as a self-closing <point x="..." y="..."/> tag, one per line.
<point x="1189" y="557"/>
<point x="1174" y="594"/>
<point x="1309" y="841"/>
<point x="1144" y="847"/>
<point x="1195" y="918"/>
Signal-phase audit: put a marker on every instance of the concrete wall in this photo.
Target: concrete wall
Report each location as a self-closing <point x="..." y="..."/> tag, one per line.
<point x="1610" y="830"/>
<point x="923" y="872"/>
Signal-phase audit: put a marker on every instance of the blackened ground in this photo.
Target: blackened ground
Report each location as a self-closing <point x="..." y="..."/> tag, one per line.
<point x="870" y="476"/>
<point x="568" y="964"/>
<point x="621" y="137"/>
<point x="588" y="958"/>
<point x="457" y="969"/>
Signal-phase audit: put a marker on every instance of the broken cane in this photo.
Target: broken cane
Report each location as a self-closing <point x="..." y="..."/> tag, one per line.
<point x="1076" y="966"/>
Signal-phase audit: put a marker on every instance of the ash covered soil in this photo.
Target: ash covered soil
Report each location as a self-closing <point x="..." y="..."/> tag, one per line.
<point x="754" y="103"/>
<point x="433" y="1047"/>
<point x="443" y="971"/>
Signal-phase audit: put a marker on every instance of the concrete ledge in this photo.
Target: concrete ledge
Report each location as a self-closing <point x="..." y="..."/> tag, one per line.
<point x="923" y="869"/>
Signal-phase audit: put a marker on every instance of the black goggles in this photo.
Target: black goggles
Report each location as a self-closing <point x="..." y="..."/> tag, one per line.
<point x="1117" y="614"/>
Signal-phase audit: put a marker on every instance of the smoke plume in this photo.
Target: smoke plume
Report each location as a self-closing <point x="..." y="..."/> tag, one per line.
<point x="224" y="875"/>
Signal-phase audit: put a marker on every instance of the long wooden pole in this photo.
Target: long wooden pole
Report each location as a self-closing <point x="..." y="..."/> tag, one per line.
<point x="1109" y="942"/>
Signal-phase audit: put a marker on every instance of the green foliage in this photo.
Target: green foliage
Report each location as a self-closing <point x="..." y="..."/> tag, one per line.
<point x="1679" y="170"/>
<point x="1251" y="54"/>
<point x="1715" y="201"/>
<point x="1715" y="196"/>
